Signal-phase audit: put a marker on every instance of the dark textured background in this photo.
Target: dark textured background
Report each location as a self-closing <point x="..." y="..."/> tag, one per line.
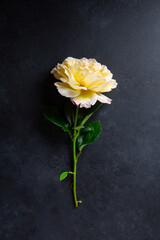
<point x="119" y="175"/>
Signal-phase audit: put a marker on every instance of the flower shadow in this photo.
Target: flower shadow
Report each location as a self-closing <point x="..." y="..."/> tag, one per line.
<point x="52" y="136"/>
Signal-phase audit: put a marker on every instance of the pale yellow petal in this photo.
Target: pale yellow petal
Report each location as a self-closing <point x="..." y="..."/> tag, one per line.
<point x="65" y="90"/>
<point x="62" y="72"/>
<point x="86" y="99"/>
<point x="77" y="72"/>
<point x="75" y="86"/>
<point x="56" y="74"/>
<point x="92" y="61"/>
<point x="92" y="80"/>
<point x="69" y="61"/>
<point x="106" y="87"/>
<point x="107" y="75"/>
<point x="103" y="99"/>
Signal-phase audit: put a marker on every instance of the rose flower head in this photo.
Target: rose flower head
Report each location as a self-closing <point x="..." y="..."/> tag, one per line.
<point x="83" y="81"/>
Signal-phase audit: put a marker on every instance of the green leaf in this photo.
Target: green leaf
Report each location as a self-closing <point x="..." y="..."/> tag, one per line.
<point x="54" y="115"/>
<point x="88" y="134"/>
<point x="69" y="112"/>
<point x="63" y="176"/>
<point x="82" y="120"/>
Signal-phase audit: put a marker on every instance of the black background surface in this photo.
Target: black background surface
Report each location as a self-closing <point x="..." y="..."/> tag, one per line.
<point x="119" y="175"/>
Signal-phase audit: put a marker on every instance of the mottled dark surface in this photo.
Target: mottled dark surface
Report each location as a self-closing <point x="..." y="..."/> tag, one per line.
<point x="119" y="175"/>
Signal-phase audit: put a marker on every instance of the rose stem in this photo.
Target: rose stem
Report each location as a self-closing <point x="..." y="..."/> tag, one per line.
<point x="75" y="158"/>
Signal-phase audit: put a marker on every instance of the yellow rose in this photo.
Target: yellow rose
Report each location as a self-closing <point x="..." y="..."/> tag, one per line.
<point x="83" y="81"/>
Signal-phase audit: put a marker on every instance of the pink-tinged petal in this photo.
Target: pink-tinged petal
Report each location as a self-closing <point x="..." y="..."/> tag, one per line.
<point x="85" y="99"/>
<point x="63" y="79"/>
<point x="103" y="99"/>
<point x="65" y="90"/>
<point x="74" y="102"/>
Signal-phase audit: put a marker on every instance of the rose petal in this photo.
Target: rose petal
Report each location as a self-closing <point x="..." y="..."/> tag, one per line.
<point x="91" y="80"/>
<point x="65" y="90"/>
<point x="63" y="72"/>
<point x="106" y="87"/>
<point x="77" y="72"/>
<point x="103" y="99"/>
<point x="76" y="87"/>
<point x="85" y="99"/>
<point x="70" y="61"/>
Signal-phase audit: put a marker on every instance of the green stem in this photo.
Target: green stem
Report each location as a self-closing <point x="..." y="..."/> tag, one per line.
<point x="76" y="132"/>
<point x="75" y="158"/>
